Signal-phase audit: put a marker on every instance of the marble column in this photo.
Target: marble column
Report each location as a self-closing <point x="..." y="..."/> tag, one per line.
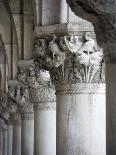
<point x="27" y="124"/>
<point x="27" y="134"/>
<point x="81" y="119"/>
<point x="10" y="139"/>
<point x="5" y="139"/>
<point x="16" y="134"/>
<point x="25" y="107"/>
<point x="43" y="98"/>
<point x="1" y="141"/>
<point x="78" y="76"/>
<point x="45" y="128"/>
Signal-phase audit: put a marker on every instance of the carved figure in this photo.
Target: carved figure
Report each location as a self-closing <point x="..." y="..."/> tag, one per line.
<point x="58" y="55"/>
<point x="39" y="48"/>
<point x="72" y="43"/>
<point x="88" y="54"/>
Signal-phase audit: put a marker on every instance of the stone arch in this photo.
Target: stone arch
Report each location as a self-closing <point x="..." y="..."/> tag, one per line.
<point x="3" y="67"/>
<point x="9" y="37"/>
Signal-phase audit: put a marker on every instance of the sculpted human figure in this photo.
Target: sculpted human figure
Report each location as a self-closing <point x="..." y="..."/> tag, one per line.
<point x="72" y="43"/>
<point x="41" y="49"/>
<point x="58" y="55"/>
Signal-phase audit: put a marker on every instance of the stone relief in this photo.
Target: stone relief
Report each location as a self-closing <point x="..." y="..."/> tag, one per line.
<point x="3" y="106"/>
<point x="39" y="85"/>
<point x="67" y="62"/>
<point x="20" y="95"/>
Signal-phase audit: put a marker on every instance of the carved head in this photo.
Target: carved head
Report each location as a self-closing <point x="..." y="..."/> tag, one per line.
<point x="31" y="71"/>
<point x="73" y="39"/>
<point x="88" y="36"/>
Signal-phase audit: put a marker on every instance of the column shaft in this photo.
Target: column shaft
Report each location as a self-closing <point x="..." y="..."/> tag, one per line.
<point x="10" y="139"/>
<point x="27" y="134"/>
<point x="1" y="141"/>
<point x="81" y="126"/>
<point x="5" y="138"/>
<point x="17" y="138"/>
<point x="45" y="130"/>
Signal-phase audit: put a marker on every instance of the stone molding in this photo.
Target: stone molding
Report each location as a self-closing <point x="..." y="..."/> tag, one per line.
<point x="45" y="106"/>
<point x="27" y="116"/>
<point x="62" y="30"/>
<point x="69" y="59"/>
<point x="81" y="88"/>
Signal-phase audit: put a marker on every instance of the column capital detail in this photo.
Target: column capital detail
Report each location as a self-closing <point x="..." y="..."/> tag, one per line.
<point x="38" y="82"/>
<point x="70" y="59"/>
<point x="3" y="105"/>
<point x="20" y="95"/>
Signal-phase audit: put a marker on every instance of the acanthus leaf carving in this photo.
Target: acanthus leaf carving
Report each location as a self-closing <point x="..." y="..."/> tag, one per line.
<point x="39" y="86"/>
<point x="77" y="62"/>
<point x="20" y="95"/>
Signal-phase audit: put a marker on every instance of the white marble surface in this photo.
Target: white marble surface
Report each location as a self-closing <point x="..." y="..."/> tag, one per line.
<point x="81" y="124"/>
<point x="45" y="132"/>
<point x="10" y="139"/>
<point x="27" y="135"/>
<point x="17" y="139"/>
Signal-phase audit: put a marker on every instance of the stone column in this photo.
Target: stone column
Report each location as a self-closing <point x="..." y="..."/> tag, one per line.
<point x="27" y="124"/>
<point x="27" y="134"/>
<point x="78" y="76"/>
<point x="1" y="141"/>
<point x="45" y="128"/>
<point x="81" y="119"/>
<point x="43" y="97"/>
<point x="5" y="139"/>
<point x="20" y="95"/>
<point x="10" y="138"/>
<point x="16" y="134"/>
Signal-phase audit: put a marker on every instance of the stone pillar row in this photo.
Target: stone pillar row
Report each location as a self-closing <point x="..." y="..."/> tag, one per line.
<point x="31" y="120"/>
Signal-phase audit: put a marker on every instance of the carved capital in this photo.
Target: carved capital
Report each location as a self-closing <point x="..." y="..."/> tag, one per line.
<point x="39" y="85"/>
<point x="20" y="95"/>
<point x="69" y="59"/>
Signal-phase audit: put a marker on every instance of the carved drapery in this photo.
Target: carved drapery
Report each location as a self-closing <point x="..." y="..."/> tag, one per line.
<point x="70" y="59"/>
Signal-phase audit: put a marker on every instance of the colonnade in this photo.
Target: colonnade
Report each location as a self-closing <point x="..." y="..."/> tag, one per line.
<point x="72" y="122"/>
<point x="31" y="126"/>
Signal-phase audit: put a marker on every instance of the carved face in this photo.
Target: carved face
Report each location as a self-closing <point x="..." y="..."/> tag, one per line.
<point x="88" y="36"/>
<point x="31" y="71"/>
<point x="45" y="75"/>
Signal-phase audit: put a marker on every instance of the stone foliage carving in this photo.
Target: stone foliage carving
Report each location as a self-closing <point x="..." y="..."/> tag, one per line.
<point x="3" y="106"/>
<point x="67" y="61"/>
<point x="39" y="85"/>
<point x="20" y="95"/>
